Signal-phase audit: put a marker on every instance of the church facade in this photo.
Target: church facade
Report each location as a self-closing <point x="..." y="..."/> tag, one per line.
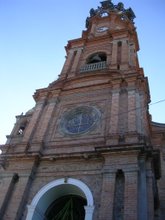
<point x="89" y="150"/>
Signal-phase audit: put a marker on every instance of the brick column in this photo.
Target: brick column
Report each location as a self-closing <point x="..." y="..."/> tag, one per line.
<point x="144" y="114"/>
<point x="107" y="196"/>
<point x="9" y="183"/>
<point x="142" y="194"/>
<point x="124" y="55"/>
<point x="150" y="189"/>
<point x="33" y="122"/>
<point x="139" y="113"/>
<point x="14" y="187"/>
<point x="131" y="111"/>
<point x="132" y="55"/>
<point x="114" y="55"/>
<point x="67" y="63"/>
<point x="131" y="195"/>
<point x="114" y="112"/>
<point x="75" y="62"/>
<point x="44" y="120"/>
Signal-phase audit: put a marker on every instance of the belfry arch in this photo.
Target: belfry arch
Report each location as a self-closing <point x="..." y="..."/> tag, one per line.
<point x="55" y="190"/>
<point x="97" y="57"/>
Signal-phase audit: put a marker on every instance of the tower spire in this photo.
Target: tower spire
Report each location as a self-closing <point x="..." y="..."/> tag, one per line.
<point x="108" y="7"/>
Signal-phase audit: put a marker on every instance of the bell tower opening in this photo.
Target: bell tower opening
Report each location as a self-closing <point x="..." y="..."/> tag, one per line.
<point x="97" y="57"/>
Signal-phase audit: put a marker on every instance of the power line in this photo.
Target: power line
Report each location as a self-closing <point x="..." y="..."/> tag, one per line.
<point x="163" y="100"/>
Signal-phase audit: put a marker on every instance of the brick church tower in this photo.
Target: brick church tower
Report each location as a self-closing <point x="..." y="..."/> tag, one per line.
<point x="88" y="150"/>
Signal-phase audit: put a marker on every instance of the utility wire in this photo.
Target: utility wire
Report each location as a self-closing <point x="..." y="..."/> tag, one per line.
<point x="154" y="103"/>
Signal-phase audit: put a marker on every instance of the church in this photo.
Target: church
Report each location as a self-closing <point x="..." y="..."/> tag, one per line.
<point x="89" y="149"/>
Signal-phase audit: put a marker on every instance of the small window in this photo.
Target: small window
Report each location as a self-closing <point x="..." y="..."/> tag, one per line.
<point x="22" y="127"/>
<point x="21" y="130"/>
<point x="119" y="44"/>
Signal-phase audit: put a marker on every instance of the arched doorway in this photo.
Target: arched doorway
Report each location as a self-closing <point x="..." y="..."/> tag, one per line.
<point x="70" y="207"/>
<point x="65" y="191"/>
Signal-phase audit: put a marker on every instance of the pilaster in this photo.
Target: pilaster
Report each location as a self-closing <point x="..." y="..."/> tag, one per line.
<point x="131" y="111"/>
<point x="107" y="195"/>
<point x="114" y="112"/>
<point x="131" y="195"/>
<point x="67" y="63"/>
<point x="132" y="55"/>
<point x="124" y="55"/>
<point x="33" y="122"/>
<point x="45" y="120"/>
<point x="78" y="53"/>
<point x="151" y="188"/>
<point x="114" y="55"/>
<point x="139" y="113"/>
<point x="142" y="194"/>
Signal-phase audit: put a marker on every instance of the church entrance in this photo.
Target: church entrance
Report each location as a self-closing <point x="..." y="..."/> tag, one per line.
<point x="69" y="207"/>
<point x="62" y="199"/>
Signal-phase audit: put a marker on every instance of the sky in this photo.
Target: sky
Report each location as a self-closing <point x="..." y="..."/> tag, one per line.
<point x="33" y="34"/>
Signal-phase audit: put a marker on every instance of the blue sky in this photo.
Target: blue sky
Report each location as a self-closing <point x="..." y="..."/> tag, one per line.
<point x="33" y="34"/>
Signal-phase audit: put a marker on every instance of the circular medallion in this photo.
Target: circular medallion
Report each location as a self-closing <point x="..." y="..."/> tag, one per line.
<point x="80" y="120"/>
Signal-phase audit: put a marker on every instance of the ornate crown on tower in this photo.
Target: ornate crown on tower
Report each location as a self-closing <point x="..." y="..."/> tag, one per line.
<point x="107" y="7"/>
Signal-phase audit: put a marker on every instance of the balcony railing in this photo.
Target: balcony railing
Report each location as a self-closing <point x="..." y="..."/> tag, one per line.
<point x="93" y="67"/>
